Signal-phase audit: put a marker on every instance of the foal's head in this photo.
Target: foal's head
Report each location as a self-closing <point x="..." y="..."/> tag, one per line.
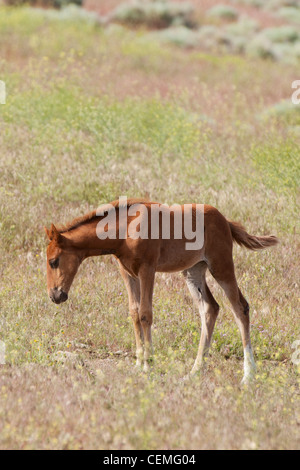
<point x="63" y="261"/>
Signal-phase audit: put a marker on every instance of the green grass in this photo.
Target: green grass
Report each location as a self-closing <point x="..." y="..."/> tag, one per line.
<point x="93" y="114"/>
<point x="281" y="162"/>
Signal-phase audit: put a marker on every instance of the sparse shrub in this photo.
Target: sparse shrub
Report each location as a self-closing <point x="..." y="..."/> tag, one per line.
<point x="290" y="14"/>
<point x="283" y="52"/>
<point x="210" y="37"/>
<point x="46" y="3"/>
<point x="71" y="13"/>
<point x="276" y="43"/>
<point x="296" y="49"/>
<point x="260" y="46"/>
<point x="282" y="34"/>
<point x="285" y="111"/>
<point x="63" y="3"/>
<point x="157" y="14"/>
<point x="244" y="27"/>
<point x="213" y="38"/>
<point x="235" y="44"/>
<point x="254" y="3"/>
<point x="179" y="35"/>
<point x="275" y="4"/>
<point x="207" y="37"/>
<point x="225" y="12"/>
<point x="287" y="53"/>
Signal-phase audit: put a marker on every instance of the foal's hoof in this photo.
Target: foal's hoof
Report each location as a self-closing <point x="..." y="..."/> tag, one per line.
<point x="148" y="366"/>
<point x="192" y="375"/>
<point x="186" y="378"/>
<point x="196" y="373"/>
<point x="247" y="380"/>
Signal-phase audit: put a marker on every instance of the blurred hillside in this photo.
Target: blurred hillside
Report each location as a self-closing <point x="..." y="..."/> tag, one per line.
<point x="267" y="29"/>
<point x="255" y="28"/>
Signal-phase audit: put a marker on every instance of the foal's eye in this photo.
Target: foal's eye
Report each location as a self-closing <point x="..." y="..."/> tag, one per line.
<point x="54" y="263"/>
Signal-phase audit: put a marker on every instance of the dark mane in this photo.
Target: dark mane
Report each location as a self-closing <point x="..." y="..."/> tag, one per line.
<point x="78" y="221"/>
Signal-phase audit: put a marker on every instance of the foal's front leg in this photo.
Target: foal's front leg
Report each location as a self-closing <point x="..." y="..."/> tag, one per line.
<point x="133" y="289"/>
<point x="146" y="277"/>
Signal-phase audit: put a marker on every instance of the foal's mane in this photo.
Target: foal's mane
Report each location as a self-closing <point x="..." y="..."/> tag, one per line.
<point x="79" y="221"/>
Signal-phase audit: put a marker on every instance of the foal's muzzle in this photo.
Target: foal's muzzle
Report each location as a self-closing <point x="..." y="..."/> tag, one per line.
<point x="57" y="295"/>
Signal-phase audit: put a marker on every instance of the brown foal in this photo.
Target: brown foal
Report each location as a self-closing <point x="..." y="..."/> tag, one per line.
<point x="140" y="258"/>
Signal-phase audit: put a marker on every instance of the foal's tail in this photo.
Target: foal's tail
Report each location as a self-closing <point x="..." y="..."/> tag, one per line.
<point x="251" y="242"/>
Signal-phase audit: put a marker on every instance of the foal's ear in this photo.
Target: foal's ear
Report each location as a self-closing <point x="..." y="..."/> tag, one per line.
<point x="53" y="233"/>
<point x="47" y="232"/>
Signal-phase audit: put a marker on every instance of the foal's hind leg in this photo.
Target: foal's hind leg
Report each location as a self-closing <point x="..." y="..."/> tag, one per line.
<point x="223" y="272"/>
<point x="208" y="307"/>
<point x="241" y="313"/>
<point x="133" y="290"/>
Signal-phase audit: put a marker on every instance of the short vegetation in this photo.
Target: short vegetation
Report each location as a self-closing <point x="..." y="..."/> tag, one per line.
<point x="95" y="110"/>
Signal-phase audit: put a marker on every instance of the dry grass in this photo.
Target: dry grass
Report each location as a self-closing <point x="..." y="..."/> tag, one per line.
<point x="92" y="114"/>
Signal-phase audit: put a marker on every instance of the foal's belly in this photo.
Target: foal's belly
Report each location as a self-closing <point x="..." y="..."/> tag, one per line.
<point x="175" y="257"/>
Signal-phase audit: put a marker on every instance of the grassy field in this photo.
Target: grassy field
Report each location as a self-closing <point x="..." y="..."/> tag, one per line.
<point x="93" y="113"/>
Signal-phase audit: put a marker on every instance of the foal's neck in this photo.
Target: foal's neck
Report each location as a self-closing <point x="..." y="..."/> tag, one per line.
<point x="85" y="238"/>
